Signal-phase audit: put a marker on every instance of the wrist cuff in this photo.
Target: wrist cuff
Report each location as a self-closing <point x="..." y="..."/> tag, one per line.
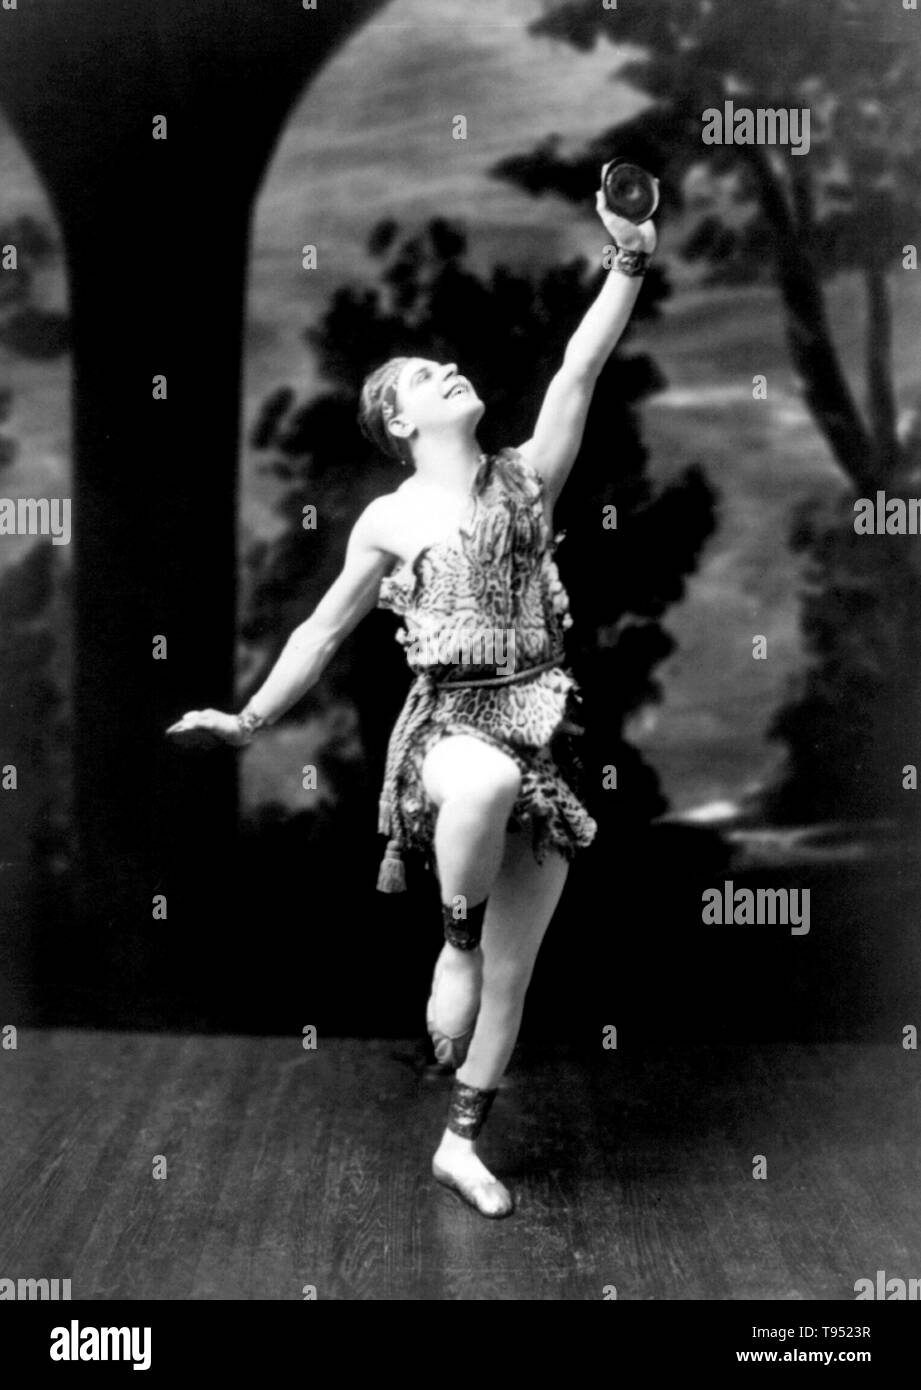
<point x="250" y="723"/>
<point x="630" y="262"/>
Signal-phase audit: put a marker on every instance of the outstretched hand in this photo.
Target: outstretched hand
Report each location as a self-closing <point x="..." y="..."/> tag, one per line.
<point x="624" y="233"/>
<point x="207" y="728"/>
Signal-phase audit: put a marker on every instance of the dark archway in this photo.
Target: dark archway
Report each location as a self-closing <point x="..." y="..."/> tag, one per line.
<point x="156" y="235"/>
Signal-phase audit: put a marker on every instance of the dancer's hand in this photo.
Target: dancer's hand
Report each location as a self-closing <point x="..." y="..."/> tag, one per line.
<point x="626" y="234"/>
<point x="206" y="728"/>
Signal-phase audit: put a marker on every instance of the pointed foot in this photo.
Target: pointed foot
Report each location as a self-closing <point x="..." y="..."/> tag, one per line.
<point x="476" y="1186"/>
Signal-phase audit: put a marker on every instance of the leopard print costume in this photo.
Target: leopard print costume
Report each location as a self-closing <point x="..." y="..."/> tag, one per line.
<point x="490" y="591"/>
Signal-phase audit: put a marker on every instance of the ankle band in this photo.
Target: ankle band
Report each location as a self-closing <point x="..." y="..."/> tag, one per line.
<point x="468" y="1109"/>
<point x="464" y="932"/>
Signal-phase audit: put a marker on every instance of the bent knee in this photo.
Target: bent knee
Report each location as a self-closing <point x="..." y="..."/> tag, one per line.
<point x="465" y="768"/>
<point x="497" y="787"/>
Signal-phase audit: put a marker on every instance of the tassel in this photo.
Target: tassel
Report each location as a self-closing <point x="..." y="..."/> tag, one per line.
<point x="383" y="816"/>
<point x="391" y="877"/>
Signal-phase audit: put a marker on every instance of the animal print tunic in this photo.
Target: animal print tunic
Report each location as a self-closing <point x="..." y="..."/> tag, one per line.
<point x="484" y="613"/>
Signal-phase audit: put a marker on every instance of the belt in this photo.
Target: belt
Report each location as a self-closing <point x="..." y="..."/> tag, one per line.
<point x="500" y="680"/>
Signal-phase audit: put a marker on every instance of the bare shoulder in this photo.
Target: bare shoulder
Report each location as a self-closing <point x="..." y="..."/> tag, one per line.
<point x="376" y="526"/>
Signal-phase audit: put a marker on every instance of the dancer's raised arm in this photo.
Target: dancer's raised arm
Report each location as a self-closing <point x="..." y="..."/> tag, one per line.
<point x="557" y="436"/>
<point x="311" y="645"/>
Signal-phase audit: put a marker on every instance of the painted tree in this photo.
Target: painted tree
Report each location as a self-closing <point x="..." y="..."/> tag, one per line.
<point x="7" y="445"/>
<point x="849" y="204"/>
<point x="35" y="648"/>
<point x="508" y="332"/>
<point x="26" y="326"/>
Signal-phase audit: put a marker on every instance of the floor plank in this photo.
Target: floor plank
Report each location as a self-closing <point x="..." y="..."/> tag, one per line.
<point x="288" y="1168"/>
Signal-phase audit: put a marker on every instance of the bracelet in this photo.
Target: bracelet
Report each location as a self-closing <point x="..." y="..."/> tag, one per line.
<point x="250" y="723"/>
<point x="630" y="262"/>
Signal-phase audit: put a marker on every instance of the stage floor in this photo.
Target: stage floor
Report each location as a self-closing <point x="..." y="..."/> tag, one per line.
<point x="288" y="1168"/>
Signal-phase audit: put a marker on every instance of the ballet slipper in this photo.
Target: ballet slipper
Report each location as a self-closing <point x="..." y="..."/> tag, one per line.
<point x="490" y="1199"/>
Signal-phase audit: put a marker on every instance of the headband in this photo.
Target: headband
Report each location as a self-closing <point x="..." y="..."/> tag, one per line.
<point x="389" y="403"/>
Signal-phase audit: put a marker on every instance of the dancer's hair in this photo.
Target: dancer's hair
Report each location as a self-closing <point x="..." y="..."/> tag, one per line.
<point x="378" y="397"/>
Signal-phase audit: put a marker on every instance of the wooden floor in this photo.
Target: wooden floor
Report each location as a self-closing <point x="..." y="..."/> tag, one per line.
<point x="289" y="1168"/>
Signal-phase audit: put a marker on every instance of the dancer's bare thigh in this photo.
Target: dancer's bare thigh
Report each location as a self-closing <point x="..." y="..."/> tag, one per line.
<point x="463" y="765"/>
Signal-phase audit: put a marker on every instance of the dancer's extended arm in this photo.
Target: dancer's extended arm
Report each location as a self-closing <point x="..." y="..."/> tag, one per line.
<point x="557" y="436"/>
<point x="312" y="643"/>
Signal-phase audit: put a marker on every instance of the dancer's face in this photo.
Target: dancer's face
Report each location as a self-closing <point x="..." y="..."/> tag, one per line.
<point x="433" y="398"/>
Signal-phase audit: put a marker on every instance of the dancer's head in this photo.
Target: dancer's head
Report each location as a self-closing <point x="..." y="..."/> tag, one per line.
<point x="411" y="398"/>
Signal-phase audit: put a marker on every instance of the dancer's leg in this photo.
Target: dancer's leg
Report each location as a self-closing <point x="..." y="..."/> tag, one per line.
<point x="521" y="907"/>
<point x="474" y="787"/>
<point x="522" y="902"/>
